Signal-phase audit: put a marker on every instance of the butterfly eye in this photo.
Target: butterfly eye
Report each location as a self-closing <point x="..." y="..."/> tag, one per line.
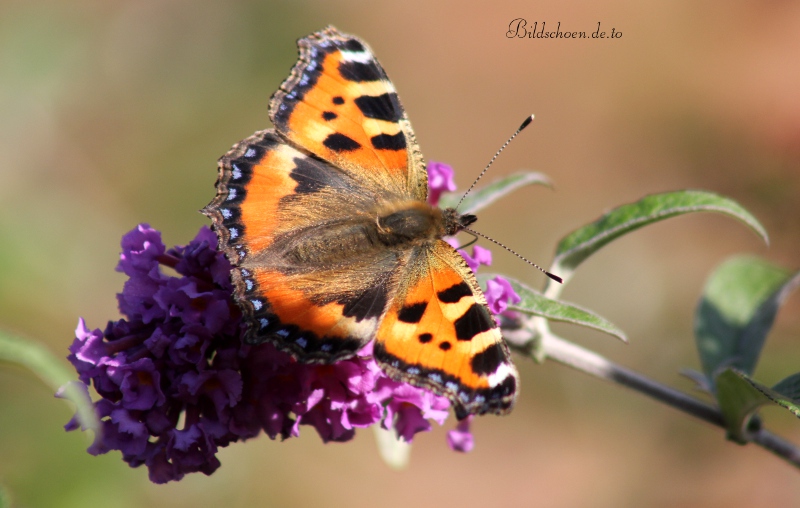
<point x="466" y="219"/>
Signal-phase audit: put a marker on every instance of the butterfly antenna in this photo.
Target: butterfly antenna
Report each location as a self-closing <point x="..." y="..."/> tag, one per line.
<point x="512" y="251"/>
<point x="524" y="124"/>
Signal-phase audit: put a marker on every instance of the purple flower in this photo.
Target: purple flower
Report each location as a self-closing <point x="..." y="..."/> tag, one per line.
<point x="499" y="293"/>
<point x="440" y="180"/>
<point x="461" y="439"/>
<point x="140" y="384"/>
<point x="177" y="383"/>
<point x="408" y="408"/>
<point x="480" y="256"/>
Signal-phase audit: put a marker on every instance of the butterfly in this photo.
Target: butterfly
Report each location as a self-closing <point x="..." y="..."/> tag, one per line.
<point x="325" y="221"/>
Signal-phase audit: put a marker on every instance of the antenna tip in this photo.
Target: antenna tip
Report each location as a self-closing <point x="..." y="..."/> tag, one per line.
<point x="526" y="122"/>
<point x="555" y="277"/>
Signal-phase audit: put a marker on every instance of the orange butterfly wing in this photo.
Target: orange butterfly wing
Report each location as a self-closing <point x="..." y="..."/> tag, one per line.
<point x="298" y="212"/>
<point x="276" y="207"/>
<point x="439" y="334"/>
<point x="338" y="104"/>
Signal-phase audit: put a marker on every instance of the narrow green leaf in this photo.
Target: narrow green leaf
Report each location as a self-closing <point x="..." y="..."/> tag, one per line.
<point x="395" y="452"/>
<point x="739" y="304"/>
<point x="739" y="397"/>
<point x="37" y="358"/>
<point x="535" y="303"/>
<point x="479" y="199"/>
<point x="583" y="242"/>
<point x="789" y="387"/>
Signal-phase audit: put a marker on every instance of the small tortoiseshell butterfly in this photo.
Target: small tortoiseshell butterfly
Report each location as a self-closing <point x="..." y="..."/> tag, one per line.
<point x="325" y="220"/>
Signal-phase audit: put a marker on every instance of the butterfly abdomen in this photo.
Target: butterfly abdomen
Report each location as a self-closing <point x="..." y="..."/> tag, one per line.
<point x="400" y="225"/>
<point x="328" y="244"/>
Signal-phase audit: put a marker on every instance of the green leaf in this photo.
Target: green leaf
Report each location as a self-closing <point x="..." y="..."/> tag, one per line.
<point x="52" y="371"/>
<point x="739" y="304"/>
<point x="739" y="397"/>
<point x="481" y="198"/>
<point x="535" y="303"/>
<point x="583" y="242"/>
<point x="789" y="387"/>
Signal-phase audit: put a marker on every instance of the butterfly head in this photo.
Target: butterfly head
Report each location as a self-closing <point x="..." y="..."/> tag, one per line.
<point x="454" y="222"/>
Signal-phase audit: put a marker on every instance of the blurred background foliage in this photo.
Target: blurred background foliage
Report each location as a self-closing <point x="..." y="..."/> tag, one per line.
<point x="114" y="113"/>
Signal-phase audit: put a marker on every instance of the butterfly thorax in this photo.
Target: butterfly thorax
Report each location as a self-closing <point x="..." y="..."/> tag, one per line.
<point x="417" y="222"/>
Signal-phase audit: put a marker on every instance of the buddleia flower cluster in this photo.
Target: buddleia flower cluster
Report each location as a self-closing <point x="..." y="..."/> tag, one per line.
<point x="176" y="382"/>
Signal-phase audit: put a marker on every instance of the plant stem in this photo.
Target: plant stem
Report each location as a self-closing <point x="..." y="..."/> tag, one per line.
<point x="50" y="369"/>
<point x="777" y="445"/>
<point x="589" y="362"/>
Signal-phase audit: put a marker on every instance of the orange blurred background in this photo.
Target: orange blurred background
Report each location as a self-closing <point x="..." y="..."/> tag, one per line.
<point x="114" y="113"/>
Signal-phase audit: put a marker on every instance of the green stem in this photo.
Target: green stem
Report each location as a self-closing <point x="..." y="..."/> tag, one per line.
<point x="50" y="369"/>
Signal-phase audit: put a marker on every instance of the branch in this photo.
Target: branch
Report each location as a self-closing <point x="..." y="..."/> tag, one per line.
<point x="591" y="363"/>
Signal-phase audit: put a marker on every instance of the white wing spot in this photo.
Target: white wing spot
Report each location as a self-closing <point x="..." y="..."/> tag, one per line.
<point x="256" y="304"/>
<point x="226" y="213"/>
<point x="237" y="173"/>
<point x="504" y="370"/>
<point x="251" y="152"/>
<point x="356" y="56"/>
<point x="234" y="232"/>
<point x="231" y="194"/>
<point x="264" y="322"/>
<point x="302" y="342"/>
<point x="283" y="333"/>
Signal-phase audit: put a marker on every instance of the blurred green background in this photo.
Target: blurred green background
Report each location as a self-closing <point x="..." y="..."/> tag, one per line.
<point x="114" y="113"/>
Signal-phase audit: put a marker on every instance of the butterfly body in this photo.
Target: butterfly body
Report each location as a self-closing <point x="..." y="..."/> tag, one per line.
<point x="333" y="243"/>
